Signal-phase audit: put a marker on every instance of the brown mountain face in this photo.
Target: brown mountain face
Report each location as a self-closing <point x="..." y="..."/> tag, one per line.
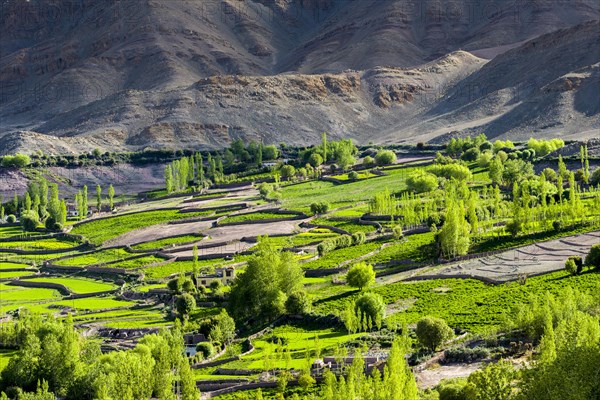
<point x="122" y="75"/>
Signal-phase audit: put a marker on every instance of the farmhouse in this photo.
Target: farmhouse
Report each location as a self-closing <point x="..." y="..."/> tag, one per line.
<point x="224" y="275"/>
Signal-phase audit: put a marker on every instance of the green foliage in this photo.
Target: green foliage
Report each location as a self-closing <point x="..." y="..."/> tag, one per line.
<point x="545" y="147"/>
<point x="570" y="266"/>
<point x="516" y="171"/>
<point x="185" y="304"/>
<point x="368" y="161"/>
<point x="471" y="154"/>
<point x="361" y="276"/>
<point x="421" y="182"/>
<point x="206" y="349"/>
<point x="315" y="160"/>
<point x="385" y="157"/>
<point x="17" y="161"/>
<point x="30" y="220"/>
<point x="370" y="307"/>
<point x="433" y="332"/>
<point x="452" y="171"/>
<point x="298" y="303"/>
<point x="593" y="257"/>
<point x="494" y="382"/>
<point x="319" y="208"/>
<point x="261" y="291"/>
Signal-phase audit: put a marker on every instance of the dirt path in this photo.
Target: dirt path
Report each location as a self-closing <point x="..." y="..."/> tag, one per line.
<point x="429" y="378"/>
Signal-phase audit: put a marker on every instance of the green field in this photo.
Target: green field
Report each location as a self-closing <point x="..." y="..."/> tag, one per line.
<point x="77" y="285"/>
<point x="97" y="257"/>
<point x="10" y="265"/>
<point x="256" y="216"/>
<point x="14" y="274"/>
<point x="42" y="244"/>
<point x="101" y="230"/>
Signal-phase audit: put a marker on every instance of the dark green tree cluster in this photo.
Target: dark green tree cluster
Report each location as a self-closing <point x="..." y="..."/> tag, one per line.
<point x="260" y="293"/>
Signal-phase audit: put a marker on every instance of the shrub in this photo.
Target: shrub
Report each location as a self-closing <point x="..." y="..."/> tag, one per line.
<point x="305" y="380"/>
<point x="319" y="208"/>
<point x="353" y="175"/>
<point x="11" y="219"/>
<point x="343" y="241"/>
<point x="188" y="286"/>
<point x="216" y="285"/>
<point x="206" y="349"/>
<point x="385" y="157"/>
<point x="30" y="220"/>
<point x="595" y="178"/>
<point x="465" y="354"/>
<point x="570" y="266"/>
<point x="372" y="306"/>
<point x="453" y="390"/>
<point x="471" y="155"/>
<point x="514" y="227"/>
<point x="421" y="182"/>
<point x="315" y="160"/>
<point x="298" y="303"/>
<point x="358" y="238"/>
<point x="550" y="174"/>
<point x="185" y="304"/>
<point x="557" y="225"/>
<point x="325" y="247"/>
<point x="484" y="160"/>
<point x="368" y="161"/>
<point x="397" y="232"/>
<point x="175" y="285"/>
<point x="433" y="332"/>
<point x="361" y="275"/>
<point x="593" y="257"/>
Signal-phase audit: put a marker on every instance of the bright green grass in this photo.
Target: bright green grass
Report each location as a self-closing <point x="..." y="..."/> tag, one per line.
<point x="301" y="239"/>
<point x="147" y="288"/>
<point x="98" y="257"/>
<point x="12" y="231"/>
<point x="347" y="225"/>
<point x="335" y="257"/>
<point x="361" y="175"/>
<point x="14" y="274"/>
<point x="5" y="356"/>
<point x="354" y="212"/>
<point x="297" y="340"/>
<point x="414" y="248"/>
<point x="464" y="303"/>
<point x="163" y="271"/>
<point x="159" y="244"/>
<point x="256" y="216"/>
<point x="300" y="197"/>
<point x="43" y="244"/>
<point x="21" y="294"/>
<point x="95" y="303"/>
<point x="98" y="231"/>
<point x="135" y="263"/>
<point x="78" y="285"/>
<point x="126" y="318"/>
<point x="10" y="265"/>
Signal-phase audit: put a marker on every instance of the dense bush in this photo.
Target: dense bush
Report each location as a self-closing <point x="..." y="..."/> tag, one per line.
<point x="593" y="257"/>
<point x="449" y="171"/>
<point x="16" y="161"/>
<point x="185" y="304"/>
<point x="368" y="161"/>
<point x="421" y="182"/>
<point x="319" y="208"/>
<point x="353" y="175"/>
<point x="433" y="332"/>
<point x="298" y="303"/>
<point x="595" y="178"/>
<point x="397" y="232"/>
<point x="358" y="238"/>
<point x="206" y="349"/>
<point x="372" y="306"/>
<point x="465" y="354"/>
<point x="11" y="219"/>
<point x="385" y="157"/>
<point x="471" y="154"/>
<point x="361" y="275"/>
<point x="30" y="220"/>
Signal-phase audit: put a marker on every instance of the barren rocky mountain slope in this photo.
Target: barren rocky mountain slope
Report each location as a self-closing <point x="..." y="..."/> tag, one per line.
<point x="133" y="74"/>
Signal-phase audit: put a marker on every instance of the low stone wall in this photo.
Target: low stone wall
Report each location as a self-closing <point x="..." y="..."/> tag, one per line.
<point x="196" y="199"/>
<point x="309" y="225"/>
<point x="42" y="251"/>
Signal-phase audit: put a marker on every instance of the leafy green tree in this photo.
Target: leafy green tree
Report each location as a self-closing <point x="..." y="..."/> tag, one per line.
<point x="372" y="307"/>
<point x="593" y="257"/>
<point x="368" y="161"/>
<point x="494" y="382"/>
<point x="98" y="198"/>
<point x="298" y="303"/>
<point x="385" y="157"/>
<point x="185" y="304"/>
<point x="111" y="196"/>
<point x="324" y="147"/>
<point x="433" y="332"/>
<point x="288" y="172"/>
<point x="169" y="179"/>
<point x="454" y="236"/>
<point x="30" y="220"/>
<point x="315" y="160"/>
<point x="361" y="275"/>
<point x="262" y="290"/>
<point x="421" y="182"/>
<point x="270" y="152"/>
<point x="516" y="171"/>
